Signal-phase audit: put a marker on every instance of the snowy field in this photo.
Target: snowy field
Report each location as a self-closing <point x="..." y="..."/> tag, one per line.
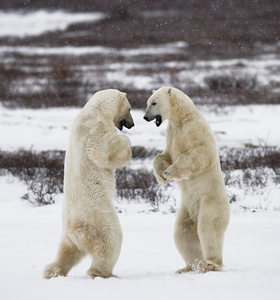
<point x="29" y="235"/>
<point x="49" y="129"/>
<point x="29" y="239"/>
<point x="39" y="22"/>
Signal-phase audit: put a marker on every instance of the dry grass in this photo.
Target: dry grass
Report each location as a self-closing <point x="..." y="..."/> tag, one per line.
<point x="250" y="157"/>
<point x="60" y="82"/>
<point x="43" y="173"/>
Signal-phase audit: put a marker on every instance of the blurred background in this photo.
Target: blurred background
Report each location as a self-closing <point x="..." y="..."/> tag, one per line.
<point x="219" y="52"/>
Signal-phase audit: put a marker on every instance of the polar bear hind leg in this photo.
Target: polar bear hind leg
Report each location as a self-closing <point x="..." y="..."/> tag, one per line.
<point x="211" y="229"/>
<point x="104" y="257"/>
<point x="68" y="256"/>
<point x="187" y="241"/>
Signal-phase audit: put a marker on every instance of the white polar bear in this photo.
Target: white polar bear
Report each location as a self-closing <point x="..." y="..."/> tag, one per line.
<point x="191" y="158"/>
<point x="90" y="223"/>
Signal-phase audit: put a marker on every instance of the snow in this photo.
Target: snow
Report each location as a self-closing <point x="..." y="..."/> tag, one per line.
<point x="48" y="129"/>
<point x="239" y="125"/>
<point x="29" y="239"/>
<point x="170" y="48"/>
<point x="38" y="22"/>
<point x="29" y="235"/>
<point x="65" y="50"/>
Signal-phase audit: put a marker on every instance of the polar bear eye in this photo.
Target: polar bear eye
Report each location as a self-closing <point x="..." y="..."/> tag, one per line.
<point x="154" y="103"/>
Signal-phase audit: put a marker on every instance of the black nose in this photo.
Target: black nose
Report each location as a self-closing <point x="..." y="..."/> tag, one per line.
<point x="129" y="125"/>
<point x="146" y="118"/>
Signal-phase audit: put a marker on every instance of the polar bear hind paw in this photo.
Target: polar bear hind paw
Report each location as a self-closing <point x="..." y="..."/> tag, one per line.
<point x="184" y="270"/>
<point x="95" y="273"/>
<point x="53" y="270"/>
<point x="208" y="266"/>
<point x="191" y="267"/>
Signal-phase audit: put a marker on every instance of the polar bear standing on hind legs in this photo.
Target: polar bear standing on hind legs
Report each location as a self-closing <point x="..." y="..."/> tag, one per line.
<point x="191" y="158"/>
<point x="90" y="223"/>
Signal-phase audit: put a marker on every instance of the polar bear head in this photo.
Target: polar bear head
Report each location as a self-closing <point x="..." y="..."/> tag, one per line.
<point x="110" y="105"/>
<point x="167" y="103"/>
<point x="158" y="106"/>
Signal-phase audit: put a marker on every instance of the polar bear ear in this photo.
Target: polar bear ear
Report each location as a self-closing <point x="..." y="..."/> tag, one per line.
<point x="153" y="91"/>
<point x="122" y="96"/>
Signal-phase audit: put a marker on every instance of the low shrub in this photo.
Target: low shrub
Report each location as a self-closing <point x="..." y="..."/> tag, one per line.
<point x="142" y="152"/>
<point x="250" y="157"/>
<point x="231" y="82"/>
<point x="42" y="172"/>
<point x="251" y="169"/>
<point x="43" y="188"/>
<point x="141" y="185"/>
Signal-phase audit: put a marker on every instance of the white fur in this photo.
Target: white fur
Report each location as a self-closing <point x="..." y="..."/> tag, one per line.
<point x="90" y="223"/>
<point x="191" y="158"/>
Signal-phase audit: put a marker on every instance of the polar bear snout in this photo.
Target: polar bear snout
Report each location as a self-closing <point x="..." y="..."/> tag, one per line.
<point x="146" y="118"/>
<point x="149" y="118"/>
<point x="127" y="124"/>
<point x="157" y="117"/>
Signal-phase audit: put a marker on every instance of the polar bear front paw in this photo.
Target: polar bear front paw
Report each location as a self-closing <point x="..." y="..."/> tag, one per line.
<point x="174" y="173"/>
<point x="167" y="175"/>
<point x="119" y="151"/>
<point x="160" y="179"/>
<point x="170" y="174"/>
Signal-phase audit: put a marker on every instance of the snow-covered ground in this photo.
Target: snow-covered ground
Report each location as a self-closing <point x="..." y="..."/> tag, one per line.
<point x="29" y="236"/>
<point x="38" y="22"/>
<point x="48" y="129"/>
<point x="72" y="50"/>
<point x="29" y="239"/>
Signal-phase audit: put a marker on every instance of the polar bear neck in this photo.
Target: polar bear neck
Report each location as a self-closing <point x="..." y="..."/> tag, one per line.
<point x="182" y="108"/>
<point x="91" y="115"/>
<point x="101" y="109"/>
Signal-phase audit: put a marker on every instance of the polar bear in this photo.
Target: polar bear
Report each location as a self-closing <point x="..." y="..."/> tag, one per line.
<point x="90" y="223"/>
<point x="191" y="158"/>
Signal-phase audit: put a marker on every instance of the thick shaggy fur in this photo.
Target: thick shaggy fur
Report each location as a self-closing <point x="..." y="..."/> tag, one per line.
<point x="191" y="158"/>
<point x="90" y="223"/>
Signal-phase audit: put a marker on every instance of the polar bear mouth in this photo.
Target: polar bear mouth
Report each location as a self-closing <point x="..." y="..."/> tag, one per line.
<point x="125" y="123"/>
<point x="158" y="120"/>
